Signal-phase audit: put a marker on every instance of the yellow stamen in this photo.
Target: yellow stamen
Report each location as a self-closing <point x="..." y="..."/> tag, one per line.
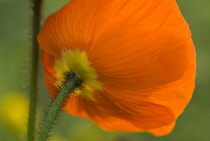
<point x="77" y="61"/>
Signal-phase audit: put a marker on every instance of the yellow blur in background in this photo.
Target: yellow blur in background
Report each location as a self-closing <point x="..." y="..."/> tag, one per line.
<point x="14" y="112"/>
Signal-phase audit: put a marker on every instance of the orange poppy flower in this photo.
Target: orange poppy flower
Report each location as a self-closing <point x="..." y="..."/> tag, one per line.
<point x="136" y="59"/>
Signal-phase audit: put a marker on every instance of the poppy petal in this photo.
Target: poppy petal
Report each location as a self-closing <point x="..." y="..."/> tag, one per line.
<point x="142" y="52"/>
<point x="115" y="105"/>
<point x="131" y="44"/>
<point x="110" y="116"/>
<point x="162" y="130"/>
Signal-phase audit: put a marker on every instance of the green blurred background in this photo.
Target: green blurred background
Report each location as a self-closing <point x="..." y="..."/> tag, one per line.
<point x="15" y="15"/>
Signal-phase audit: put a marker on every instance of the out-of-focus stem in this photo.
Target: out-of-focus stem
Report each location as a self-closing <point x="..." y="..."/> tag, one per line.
<point x="36" y="10"/>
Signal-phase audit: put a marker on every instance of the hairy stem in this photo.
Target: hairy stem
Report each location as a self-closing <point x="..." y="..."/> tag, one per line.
<point x="36" y="9"/>
<point x="72" y="83"/>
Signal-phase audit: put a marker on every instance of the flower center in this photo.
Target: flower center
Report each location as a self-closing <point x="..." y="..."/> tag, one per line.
<point x="75" y="60"/>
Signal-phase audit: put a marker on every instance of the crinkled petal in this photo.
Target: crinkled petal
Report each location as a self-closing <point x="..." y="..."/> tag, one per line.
<point x="110" y="113"/>
<point x="131" y="44"/>
<point x="153" y="110"/>
<point x="163" y="130"/>
<point x="125" y="116"/>
<point x="142" y="52"/>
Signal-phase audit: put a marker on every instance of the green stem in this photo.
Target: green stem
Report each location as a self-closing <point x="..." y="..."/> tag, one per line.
<point x="34" y="69"/>
<point x="73" y="82"/>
